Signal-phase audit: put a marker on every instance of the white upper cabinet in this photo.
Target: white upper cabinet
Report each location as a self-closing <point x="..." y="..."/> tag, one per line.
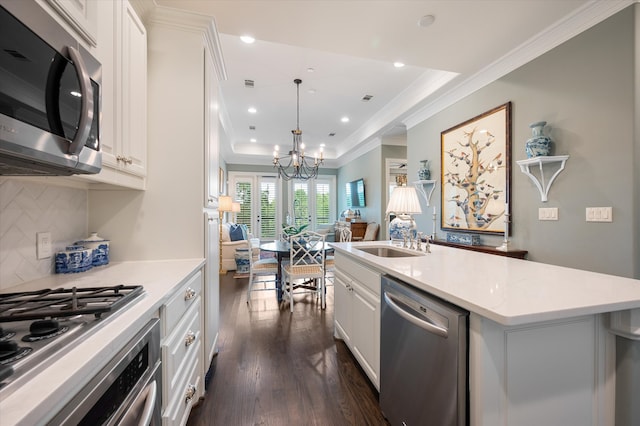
<point x="81" y="15"/>
<point x="122" y="50"/>
<point x="133" y="147"/>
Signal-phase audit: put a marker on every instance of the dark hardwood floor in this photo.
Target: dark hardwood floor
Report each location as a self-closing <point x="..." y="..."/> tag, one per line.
<point x="278" y="368"/>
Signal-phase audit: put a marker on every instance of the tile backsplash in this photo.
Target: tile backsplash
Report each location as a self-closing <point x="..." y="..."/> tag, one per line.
<point x="28" y="207"/>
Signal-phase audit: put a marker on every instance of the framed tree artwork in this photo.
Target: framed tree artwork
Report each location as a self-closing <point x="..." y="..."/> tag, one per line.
<point x="476" y="171"/>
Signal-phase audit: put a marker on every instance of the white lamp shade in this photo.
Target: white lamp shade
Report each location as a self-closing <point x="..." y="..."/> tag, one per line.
<point x="235" y="207"/>
<point x="225" y="203"/>
<point x="404" y="200"/>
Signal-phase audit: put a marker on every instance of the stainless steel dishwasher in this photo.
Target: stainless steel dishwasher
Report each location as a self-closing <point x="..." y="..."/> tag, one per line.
<point x="423" y="358"/>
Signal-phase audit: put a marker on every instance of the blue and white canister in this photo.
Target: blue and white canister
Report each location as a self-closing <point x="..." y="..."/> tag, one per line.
<point x="74" y="259"/>
<point x="100" y="248"/>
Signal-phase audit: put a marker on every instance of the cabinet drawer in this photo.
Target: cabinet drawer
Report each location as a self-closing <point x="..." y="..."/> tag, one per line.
<point x="179" y="346"/>
<point x="187" y="393"/>
<point x="172" y="311"/>
<point x="365" y="276"/>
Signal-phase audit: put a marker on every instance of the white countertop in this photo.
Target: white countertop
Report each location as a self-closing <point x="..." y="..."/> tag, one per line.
<point x="40" y="396"/>
<point x="505" y="290"/>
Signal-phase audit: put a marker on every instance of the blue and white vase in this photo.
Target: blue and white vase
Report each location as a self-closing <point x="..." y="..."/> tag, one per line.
<point x="424" y="173"/>
<point x="538" y="145"/>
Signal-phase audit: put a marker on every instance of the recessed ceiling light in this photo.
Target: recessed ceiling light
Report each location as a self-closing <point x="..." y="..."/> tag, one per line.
<point x="311" y="91"/>
<point x="426" y="20"/>
<point x="322" y="145"/>
<point x="247" y="39"/>
<point x="252" y="110"/>
<point x="253" y="140"/>
<point x="398" y="64"/>
<point x="345" y="119"/>
<point x="310" y="69"/>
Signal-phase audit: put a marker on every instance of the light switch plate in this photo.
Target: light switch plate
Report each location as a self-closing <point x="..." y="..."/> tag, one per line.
<point x="548" y="213"/>
<point x="43" y="245"/>
<point x="599" y="214"/>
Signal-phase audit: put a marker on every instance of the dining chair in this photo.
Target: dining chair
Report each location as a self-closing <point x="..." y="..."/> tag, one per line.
<point x="344" y="236"/>
<point x="261" y="272"/>
<point x="305" y="269"/>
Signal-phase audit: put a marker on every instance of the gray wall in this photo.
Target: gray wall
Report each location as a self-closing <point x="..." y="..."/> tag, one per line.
<point x="367" y="167"/>
<point x="371" y="167"/>
<point x="584" y="89"/>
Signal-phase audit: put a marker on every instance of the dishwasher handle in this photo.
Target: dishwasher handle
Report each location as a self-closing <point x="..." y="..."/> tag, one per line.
<point x="426" y="325"/>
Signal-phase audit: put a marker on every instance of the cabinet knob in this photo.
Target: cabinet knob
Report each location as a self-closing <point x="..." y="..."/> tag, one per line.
<point x="191" y="392"/>
<point x="191" y="337"/>
<point x="189" y="294"/>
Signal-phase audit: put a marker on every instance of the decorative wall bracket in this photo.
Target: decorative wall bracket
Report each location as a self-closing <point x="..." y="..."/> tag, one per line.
<point x="541" y="184"/>
<point x="425" y="187"/>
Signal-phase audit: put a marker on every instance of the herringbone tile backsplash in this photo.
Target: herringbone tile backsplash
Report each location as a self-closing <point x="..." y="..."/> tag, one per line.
<point x="27" y="208"/>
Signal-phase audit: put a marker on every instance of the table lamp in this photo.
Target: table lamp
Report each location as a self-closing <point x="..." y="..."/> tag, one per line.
<point x="403" y="203"/>
<point x="225" y="204"/>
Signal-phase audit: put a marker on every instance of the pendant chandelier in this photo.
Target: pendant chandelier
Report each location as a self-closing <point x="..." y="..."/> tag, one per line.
<point x="298" y="166"/>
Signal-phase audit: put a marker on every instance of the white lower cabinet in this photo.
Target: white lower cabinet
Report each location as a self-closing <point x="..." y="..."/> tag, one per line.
<point x="181" y="351"/>
<point x="357" y="313"/>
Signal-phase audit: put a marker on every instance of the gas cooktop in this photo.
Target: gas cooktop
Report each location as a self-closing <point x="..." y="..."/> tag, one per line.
<point x="36" y="325"/>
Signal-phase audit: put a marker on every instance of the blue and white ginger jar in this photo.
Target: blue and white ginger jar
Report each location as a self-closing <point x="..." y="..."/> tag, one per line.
<point x="538" y="145"/>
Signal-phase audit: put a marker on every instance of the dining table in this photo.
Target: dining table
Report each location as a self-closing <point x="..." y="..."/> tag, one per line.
<point x="283" y="251"/>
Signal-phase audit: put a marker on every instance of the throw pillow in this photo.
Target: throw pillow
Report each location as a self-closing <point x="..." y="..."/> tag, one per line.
<point x="235" y="232"/>
<point x="245" y="232"/>
<point x="225" y="233"/>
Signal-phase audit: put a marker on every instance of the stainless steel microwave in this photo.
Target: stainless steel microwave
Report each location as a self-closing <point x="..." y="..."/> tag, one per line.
<point x="50" y="96"/>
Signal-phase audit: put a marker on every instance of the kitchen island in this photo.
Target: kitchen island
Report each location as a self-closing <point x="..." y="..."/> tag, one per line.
<point x="39" y="397"/>
<point x="541" y="350"/>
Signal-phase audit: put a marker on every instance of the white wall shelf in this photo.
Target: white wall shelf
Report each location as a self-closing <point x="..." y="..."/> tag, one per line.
<point x="425" y="187"/>
<point x="540" y="183"/>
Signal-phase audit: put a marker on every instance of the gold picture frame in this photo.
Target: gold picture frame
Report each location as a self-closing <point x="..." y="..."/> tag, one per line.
<point x="476" y="173"/>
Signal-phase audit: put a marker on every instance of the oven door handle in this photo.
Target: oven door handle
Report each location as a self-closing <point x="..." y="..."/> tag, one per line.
<point x="149" y="394"/>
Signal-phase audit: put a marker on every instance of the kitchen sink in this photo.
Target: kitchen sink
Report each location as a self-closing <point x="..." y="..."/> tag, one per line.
<point x="389" y="252"/>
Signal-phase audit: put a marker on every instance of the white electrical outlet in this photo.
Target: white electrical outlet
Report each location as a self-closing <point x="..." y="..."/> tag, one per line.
<point x="599" y="214"/>
<point x="43" y="245"/>
<point x="548" y="213"/>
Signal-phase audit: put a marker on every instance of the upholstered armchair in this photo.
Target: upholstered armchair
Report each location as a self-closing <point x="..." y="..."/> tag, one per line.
<point x="233" y="238"/>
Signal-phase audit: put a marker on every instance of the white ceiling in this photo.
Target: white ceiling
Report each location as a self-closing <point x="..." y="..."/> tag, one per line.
<point x="351" y="46"/>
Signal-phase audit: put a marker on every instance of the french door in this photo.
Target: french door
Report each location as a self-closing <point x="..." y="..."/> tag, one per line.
<point x="312" y="202"/>
<point x="260" y="203"/>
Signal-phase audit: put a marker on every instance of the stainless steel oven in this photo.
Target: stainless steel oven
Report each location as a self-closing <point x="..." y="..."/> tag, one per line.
<point x="127" y="391"/>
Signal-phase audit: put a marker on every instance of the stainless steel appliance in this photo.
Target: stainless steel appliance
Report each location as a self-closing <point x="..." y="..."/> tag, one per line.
<point x="423" y="358"/>
<point x="49" y="96"/>
<point x="38" y="326"/>
<point x="125" y="392"/>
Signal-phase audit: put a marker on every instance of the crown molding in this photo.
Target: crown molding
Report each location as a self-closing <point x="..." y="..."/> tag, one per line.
<point x="582" y="19"/>
<point x="425" y="85"/>
<point x="187" y="21"/>
<point x="361" y="149"/>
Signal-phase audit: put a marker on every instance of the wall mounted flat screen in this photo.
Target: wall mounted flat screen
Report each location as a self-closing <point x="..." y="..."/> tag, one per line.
<point x="355" y="193"/>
